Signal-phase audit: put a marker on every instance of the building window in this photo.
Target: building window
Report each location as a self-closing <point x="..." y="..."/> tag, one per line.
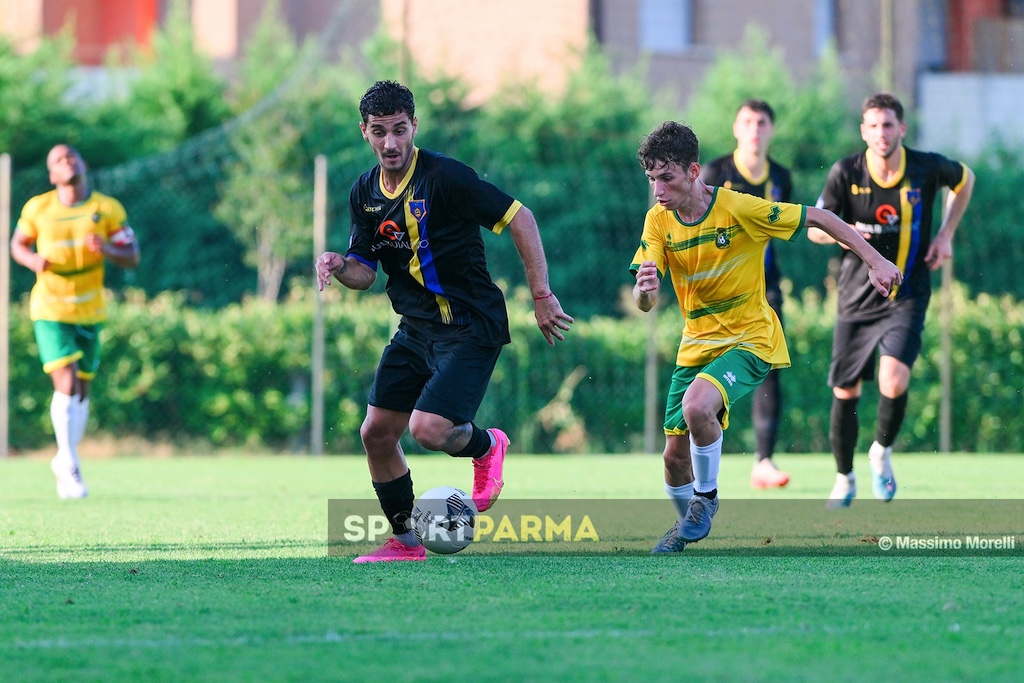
<point x="824" y="25"/>
<point x="932" y="54"/>
<point x="666" y="25"/>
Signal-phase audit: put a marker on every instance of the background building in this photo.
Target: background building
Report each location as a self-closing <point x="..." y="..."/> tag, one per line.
<point x="931" y="52"/>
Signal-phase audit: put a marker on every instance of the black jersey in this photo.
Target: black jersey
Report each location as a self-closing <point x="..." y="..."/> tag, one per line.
<point x="898" y="217"/>
<point x="427" y="237"/>
<point x="776" y="185"/>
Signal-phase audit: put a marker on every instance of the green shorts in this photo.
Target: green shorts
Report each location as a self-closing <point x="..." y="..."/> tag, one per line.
<point x="61" y="344"/>
<point x="736" y="373"/>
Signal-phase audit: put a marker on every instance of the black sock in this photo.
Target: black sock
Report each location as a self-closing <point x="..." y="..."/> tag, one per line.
<point x="767" y="403"/>
<point x="890" y="418"/>
<point x="396" y="500"/>
<point x="842" y="433"/>
<point x="710" y="495"/>
<point x="479" y="444"/>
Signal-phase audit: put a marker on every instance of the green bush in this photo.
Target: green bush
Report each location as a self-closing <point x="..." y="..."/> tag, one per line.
<point x="240" y="377"/>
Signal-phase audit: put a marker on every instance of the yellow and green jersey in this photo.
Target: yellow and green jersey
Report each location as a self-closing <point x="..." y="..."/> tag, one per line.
<point x="71" y="289"/>
<point x="717" y="270"/>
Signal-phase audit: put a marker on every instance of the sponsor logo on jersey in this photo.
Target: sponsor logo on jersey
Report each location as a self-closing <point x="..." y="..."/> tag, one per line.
<point x="372" y="209"/>
<point x="774" y="214"/>
<point x="887" y="214"/>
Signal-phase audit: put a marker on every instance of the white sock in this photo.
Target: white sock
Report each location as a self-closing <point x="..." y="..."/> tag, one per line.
<point x="79" y="419"/>
<point x="706" y="460"/>
<point x="60" y="416"/>
<point x="680" y="497"/>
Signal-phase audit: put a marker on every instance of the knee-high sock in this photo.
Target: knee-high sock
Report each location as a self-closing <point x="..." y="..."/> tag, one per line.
<point x="396" y="500"/>
<point x="706" y="461"/>
<point x="60" y="416"/>
<point x="680" y="497"/>
<point x="891" y="412"/>
<point x="842" y="433"/>
<point x="79" y="419"/>
<point x="767" y="405"/>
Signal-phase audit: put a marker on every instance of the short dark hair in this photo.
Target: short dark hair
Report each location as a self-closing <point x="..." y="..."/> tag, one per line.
<point x="883" y="100"/>
<point x="669" y="143"/>
<point x="760" y="106"/>
<point x="385" y="98"/>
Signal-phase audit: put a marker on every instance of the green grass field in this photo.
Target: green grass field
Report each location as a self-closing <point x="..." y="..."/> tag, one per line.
<point x="216" y="569"/>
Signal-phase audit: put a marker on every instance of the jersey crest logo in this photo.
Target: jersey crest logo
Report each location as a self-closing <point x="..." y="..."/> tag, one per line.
<point x="96" y="217"/>
<point x="389" y="229"/>
<point x="914" y="196"/>
<point x="418" y="209"/>
<point x="722" y="238"/>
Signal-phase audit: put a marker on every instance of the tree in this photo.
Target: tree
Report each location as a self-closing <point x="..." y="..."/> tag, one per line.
<point x="176" y="90"/>
<point x="34" y="113"/>
<point x="266" y="198"/>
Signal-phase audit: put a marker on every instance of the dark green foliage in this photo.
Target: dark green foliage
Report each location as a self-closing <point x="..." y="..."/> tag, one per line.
<point x="240" y="377"/>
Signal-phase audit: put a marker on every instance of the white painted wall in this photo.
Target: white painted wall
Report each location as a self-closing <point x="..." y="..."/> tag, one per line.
<point x="960" y="114"/>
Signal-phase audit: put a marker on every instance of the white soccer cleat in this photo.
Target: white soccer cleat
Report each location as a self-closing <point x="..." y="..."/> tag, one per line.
<point x="883" y="482"/>
<point x="69" y="479"/>
<point x="843" y="492"/>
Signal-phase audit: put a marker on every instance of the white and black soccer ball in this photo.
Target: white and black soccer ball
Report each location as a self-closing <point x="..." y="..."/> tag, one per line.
<point x="444" y="519"/>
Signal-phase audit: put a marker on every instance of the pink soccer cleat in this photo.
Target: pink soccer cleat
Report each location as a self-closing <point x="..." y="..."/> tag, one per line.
<point x="487" y="477"/>
<point x="394" y="550"/>
<point x="765" y="475"/>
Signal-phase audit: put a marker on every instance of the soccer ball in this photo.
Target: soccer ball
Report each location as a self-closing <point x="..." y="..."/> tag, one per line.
<point x="444" y="520"/>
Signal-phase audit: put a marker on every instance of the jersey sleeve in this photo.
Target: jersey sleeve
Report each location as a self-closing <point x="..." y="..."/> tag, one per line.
<point x="477" y="200"/>
<point x="118" y="230"/>
<point x="712" y="173"/>
<point x="27" y="220"/>
<point x="652" y="245"/>
<point x="833" y="197"/>
<point x="361" y="232"/>
<point x="785" y="185"/>
<point x="952" y="174"/>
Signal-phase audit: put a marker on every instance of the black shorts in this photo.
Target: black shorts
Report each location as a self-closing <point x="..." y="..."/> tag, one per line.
<point x="856" y="345"/>
<point x="447" y="377"/>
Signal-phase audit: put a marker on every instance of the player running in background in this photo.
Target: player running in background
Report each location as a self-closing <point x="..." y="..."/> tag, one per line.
<point x="712" y="241"/>
<point x="887" y="192"/>
<point x="65" y="236"/>
<point x="418" y="215"/>
<point x="750" y="170"/>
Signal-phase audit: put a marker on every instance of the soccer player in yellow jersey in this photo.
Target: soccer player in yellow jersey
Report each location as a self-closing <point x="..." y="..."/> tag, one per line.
<point x="64" y="236"/>
<point x="712" y="240"/>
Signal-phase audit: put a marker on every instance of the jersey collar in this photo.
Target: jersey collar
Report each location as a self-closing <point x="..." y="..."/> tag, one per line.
<point x="895" y="180"/>
<point x="405" y="181"/>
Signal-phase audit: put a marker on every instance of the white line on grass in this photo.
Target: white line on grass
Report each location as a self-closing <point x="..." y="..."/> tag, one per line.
<point x="331" y="637"/>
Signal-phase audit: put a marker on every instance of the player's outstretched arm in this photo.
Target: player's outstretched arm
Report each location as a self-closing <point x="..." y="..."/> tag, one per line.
<point x="884" y="274"/>
<point x="551" y="319"/>
<point x="350" y="272"/>
<point x="941" y="248"/>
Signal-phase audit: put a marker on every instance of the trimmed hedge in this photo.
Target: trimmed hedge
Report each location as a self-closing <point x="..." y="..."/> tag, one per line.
<point x="239" y="377"/>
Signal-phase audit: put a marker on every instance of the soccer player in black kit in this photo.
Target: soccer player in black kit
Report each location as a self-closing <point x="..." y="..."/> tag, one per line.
<point x="887" y="193"/>
<point x="418" y="215"/>
<point x="750" y="170"/>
